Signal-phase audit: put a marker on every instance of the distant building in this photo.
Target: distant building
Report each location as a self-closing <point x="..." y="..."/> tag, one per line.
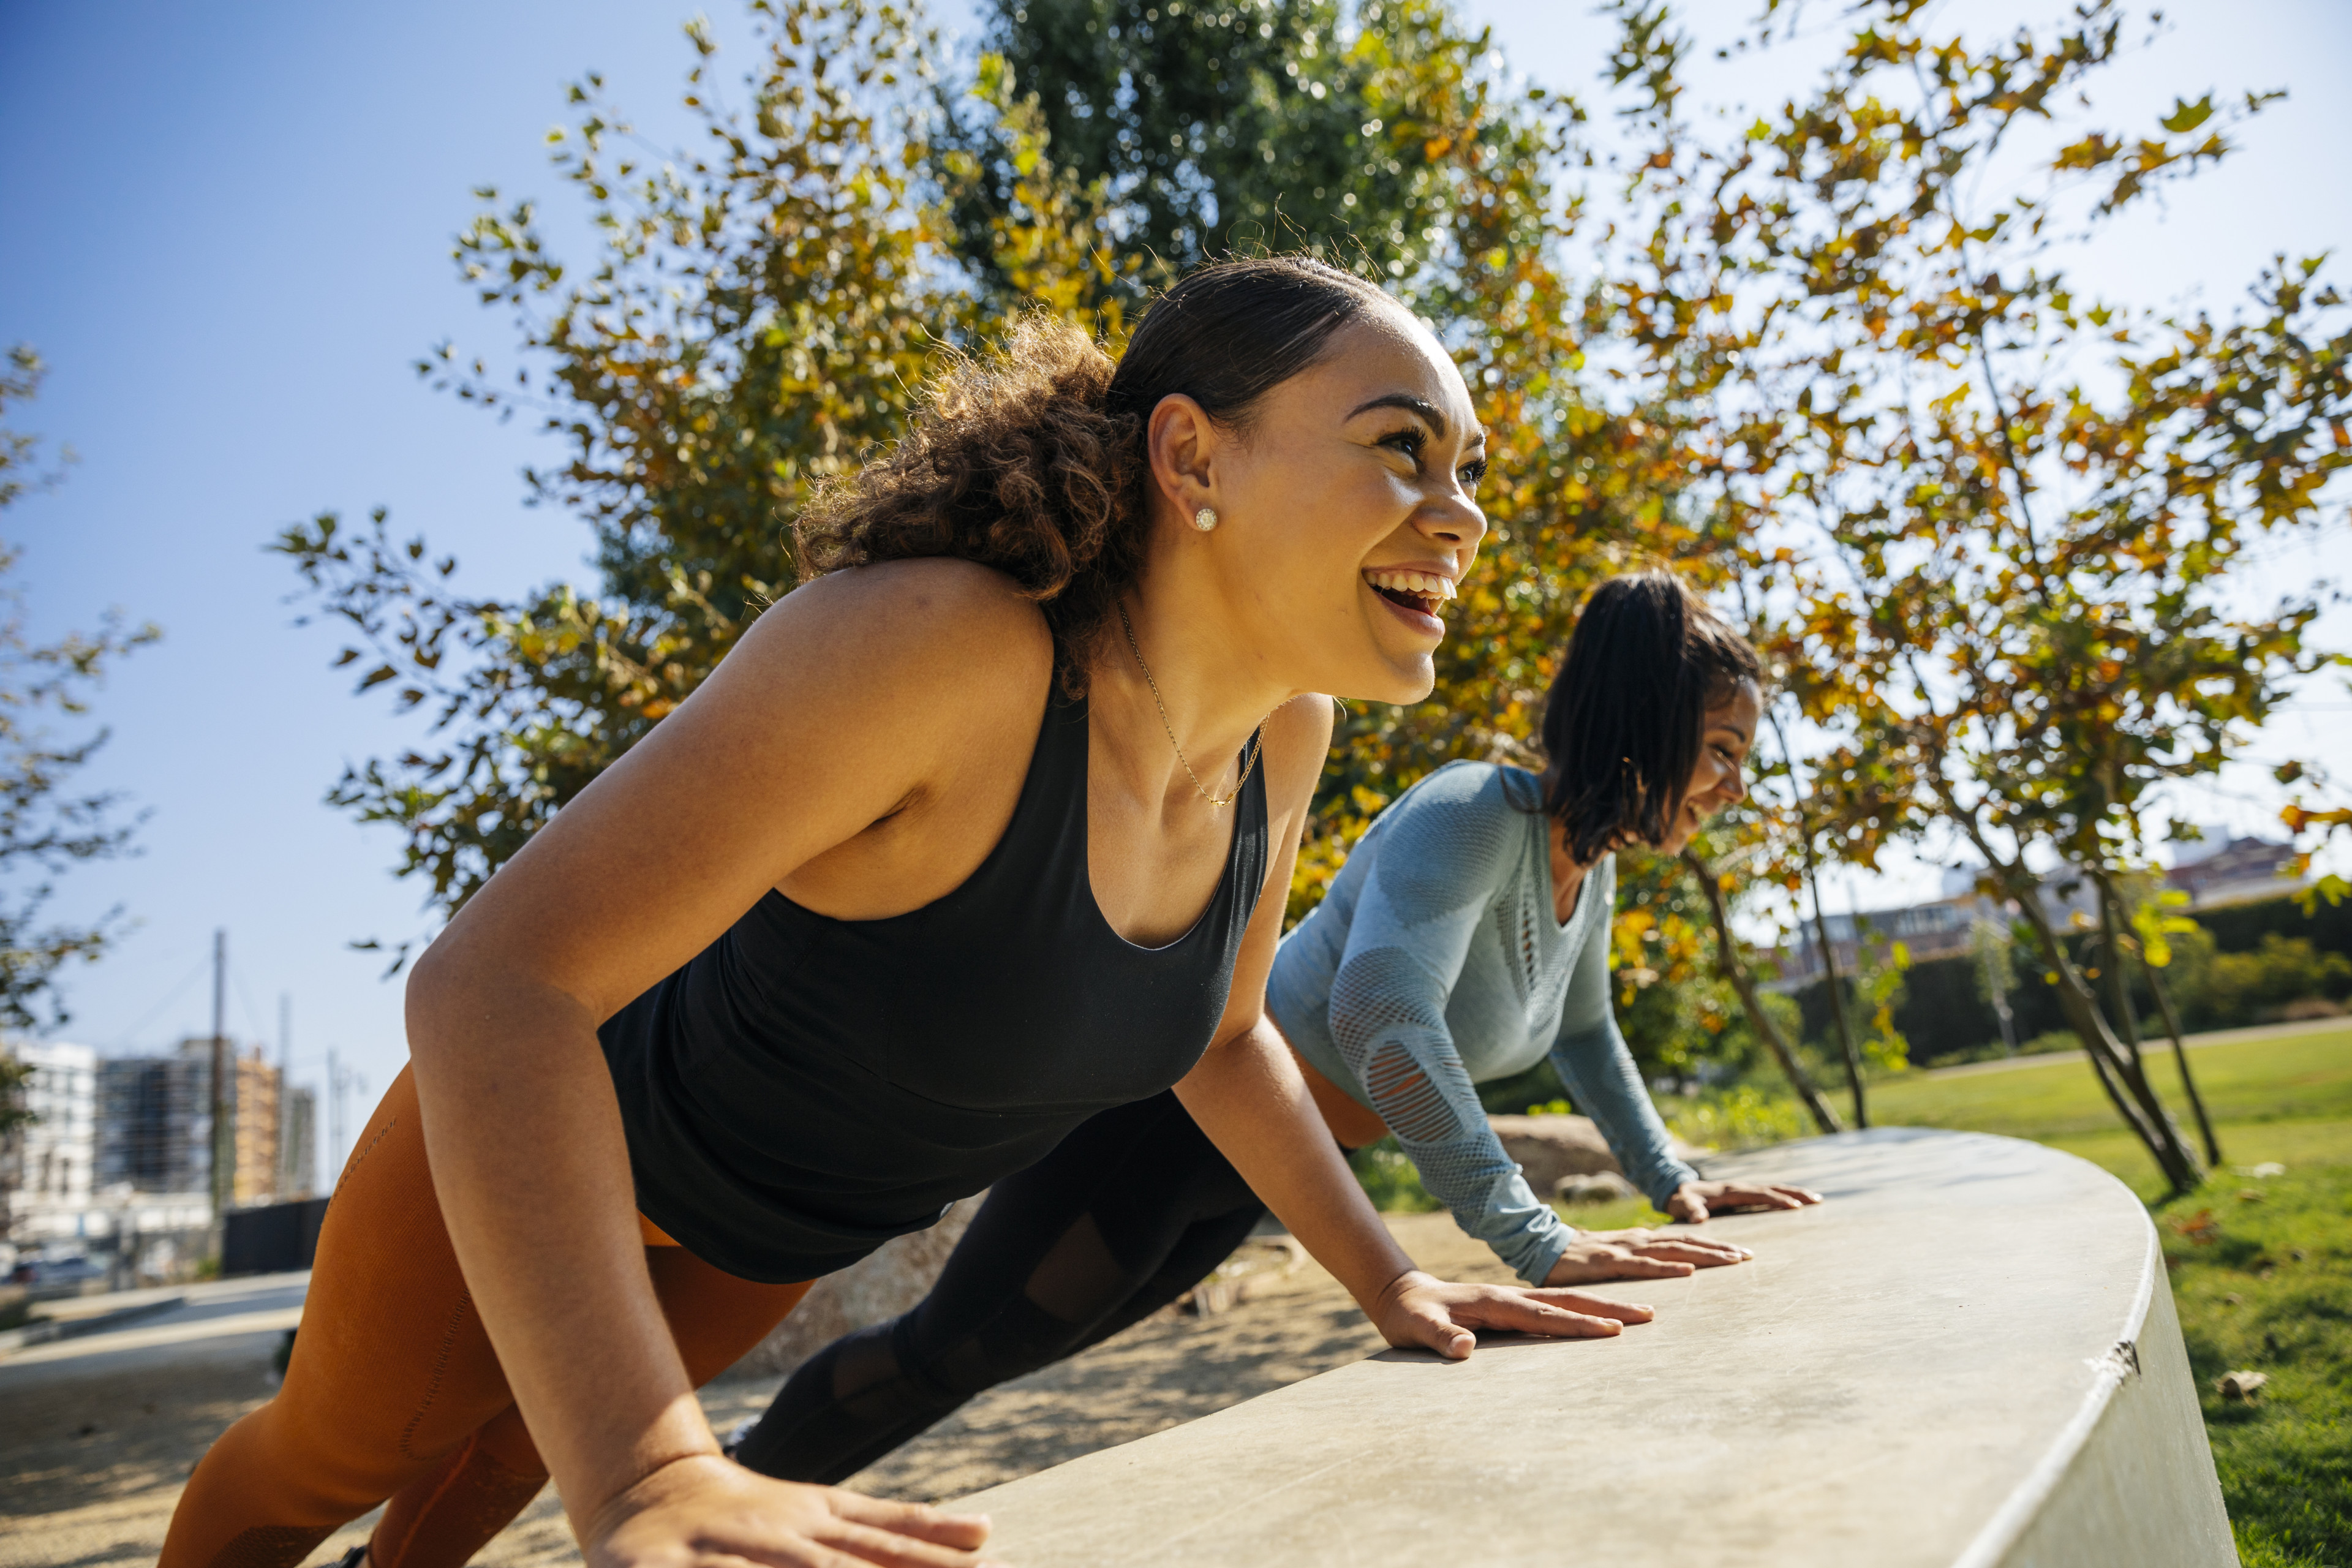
<point x="2237" y="871"/>
<point x="47" y="1165"/>
<point x="255" y="1123"/>
<point x="119" y="1167"/>
<point x="155" y="1121"/>
<point x="1942" y="929"/>
<point x="298" y="1144"/>
<point x="1938" y="930"/>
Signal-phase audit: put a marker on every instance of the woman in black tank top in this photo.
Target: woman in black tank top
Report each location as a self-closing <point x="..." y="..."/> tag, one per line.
<point x="984" y="831"/>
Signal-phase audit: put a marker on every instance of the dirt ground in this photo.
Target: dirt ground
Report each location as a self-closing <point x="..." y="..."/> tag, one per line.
<point x="90" y="1465"/>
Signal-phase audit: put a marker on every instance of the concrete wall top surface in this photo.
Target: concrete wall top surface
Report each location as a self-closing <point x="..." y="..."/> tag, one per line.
<point x="1941" y="1364"/>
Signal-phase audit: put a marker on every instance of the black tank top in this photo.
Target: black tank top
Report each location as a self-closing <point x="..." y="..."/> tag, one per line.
<point x="805" y="1087"/>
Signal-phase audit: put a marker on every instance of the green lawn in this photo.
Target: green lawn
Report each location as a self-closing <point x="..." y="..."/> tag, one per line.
<point x="2261" y="1273"/>
<point x="2288" y="1100"/>
<point x="2262" y="1266"/>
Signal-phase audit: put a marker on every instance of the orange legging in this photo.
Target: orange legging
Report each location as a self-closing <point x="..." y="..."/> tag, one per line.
<point x="394" y="1391"/>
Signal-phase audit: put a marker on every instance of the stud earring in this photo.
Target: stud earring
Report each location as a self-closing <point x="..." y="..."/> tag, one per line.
<point x="1205" y="519"/>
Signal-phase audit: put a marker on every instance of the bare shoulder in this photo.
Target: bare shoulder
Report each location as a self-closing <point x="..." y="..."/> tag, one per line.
<point x="918" y="629"/>
<point x="1297" y="742"/>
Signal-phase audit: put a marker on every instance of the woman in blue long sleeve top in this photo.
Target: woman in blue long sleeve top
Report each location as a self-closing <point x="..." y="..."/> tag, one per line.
<point x="1466" y="937"/>
<point x="1435" y="963"/>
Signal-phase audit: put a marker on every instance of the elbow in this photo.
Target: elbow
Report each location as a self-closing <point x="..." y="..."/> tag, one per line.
<point x="474" y="1004"/>
<point x="454" y="1000"/>
<point x="431" y="999"/>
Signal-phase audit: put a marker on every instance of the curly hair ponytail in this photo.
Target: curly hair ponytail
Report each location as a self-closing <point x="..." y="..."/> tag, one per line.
<point x="1031" y="458"/>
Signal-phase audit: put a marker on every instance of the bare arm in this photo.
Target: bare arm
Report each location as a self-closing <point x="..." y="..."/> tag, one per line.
<point x="1247" y="1095"/>
<point x="785" y="753"/>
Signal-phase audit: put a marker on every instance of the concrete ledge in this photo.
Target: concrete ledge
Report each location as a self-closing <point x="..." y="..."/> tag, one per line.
<point x="1966" y="1357"/>
<point x="41" y="1330"/>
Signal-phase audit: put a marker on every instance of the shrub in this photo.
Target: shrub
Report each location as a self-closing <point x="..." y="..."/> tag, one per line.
<point x="1740" y="1117"/>
<point x="1390" y="1180"/>
<point x="2217" y="990"/>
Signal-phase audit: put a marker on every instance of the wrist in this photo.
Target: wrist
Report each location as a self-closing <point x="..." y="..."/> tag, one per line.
<point x="662" y="1477"/>
<point x="1410" y="1278"/>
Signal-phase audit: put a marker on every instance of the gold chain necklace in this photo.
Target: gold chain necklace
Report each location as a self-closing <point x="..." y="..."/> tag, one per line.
<point x="1257" y="742"/>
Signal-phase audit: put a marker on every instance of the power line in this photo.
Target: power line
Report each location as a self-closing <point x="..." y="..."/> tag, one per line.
<point x="157" y="1011"/>
<point x="244" y="1000"/>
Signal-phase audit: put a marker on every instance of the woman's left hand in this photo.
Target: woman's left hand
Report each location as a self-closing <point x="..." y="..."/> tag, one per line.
<point x="1693" y="1200"/>
<point x="1420" y="1311"/>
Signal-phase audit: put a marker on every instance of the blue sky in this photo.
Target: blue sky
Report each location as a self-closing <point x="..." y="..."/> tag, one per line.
<point x="228" y="228"/>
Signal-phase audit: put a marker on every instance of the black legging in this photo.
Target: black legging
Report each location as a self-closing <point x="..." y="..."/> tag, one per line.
<point x="1132" y="1209"/>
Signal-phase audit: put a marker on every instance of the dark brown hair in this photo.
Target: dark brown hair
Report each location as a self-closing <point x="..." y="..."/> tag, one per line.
<point x="1030" y="457"/>
<point x="1627" y="713"/>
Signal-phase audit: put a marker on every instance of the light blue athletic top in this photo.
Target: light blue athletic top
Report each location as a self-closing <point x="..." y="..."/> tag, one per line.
<point x="1436" y="962"/>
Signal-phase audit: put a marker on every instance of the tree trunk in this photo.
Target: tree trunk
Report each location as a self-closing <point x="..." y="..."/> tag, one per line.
<point x="2121" y="1100"/>
<point x="1994" y="992"/>
<point x="2120" y="1011"/>
<point x="2180" y="1054"/>
<point x="1837" y="988"/>
<point x="1729" y="964"/>
<point x="2152" y="1122"/>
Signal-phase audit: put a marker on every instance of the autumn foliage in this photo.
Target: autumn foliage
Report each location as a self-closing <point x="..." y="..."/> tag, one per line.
<point x="1982" y="521"/>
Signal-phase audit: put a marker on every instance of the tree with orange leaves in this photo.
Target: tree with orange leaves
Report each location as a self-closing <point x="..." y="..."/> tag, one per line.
<point x="1988" y="523"/>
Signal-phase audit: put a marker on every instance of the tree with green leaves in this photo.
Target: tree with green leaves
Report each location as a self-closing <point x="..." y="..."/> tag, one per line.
<point x="1218" y="125"/>
<point x="762" y="308"/>
<point x="45" y="826"/>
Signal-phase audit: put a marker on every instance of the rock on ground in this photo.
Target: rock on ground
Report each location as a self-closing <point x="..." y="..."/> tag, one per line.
<point x="873" y="1290"/>
<point x="1550" y="1147"/>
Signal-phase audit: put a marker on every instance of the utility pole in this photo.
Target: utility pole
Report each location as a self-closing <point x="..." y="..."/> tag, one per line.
<point x="284" y="1179"/>
<point x="223" y="1135"/>
<point x="334" y="1118"/>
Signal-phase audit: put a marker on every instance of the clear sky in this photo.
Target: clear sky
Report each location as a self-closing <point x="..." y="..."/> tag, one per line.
<point x="228" y="228"/>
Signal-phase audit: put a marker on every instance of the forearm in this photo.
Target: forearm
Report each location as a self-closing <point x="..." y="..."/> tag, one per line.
<point x="532" y="1168"/>
<point x="1489" y="1198"/>
<point x="1247" y="1095"/>
<point x="1599" y="1072"/>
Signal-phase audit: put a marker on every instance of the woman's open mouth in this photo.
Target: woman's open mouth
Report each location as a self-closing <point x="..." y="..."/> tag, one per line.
<point x="1420" y="592"/>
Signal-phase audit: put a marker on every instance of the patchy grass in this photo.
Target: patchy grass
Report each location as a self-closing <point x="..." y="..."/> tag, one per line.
<point x="2262" y="1267"/>
<point x="2261" y="1274"/>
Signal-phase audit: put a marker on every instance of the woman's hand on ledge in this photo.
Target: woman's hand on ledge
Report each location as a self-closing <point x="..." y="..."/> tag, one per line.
<point x="1418" y="1311"/>
<point x="1693" y="1200"/>
<point x="704" y="1510"/>
<point x="1598" y="1254"/>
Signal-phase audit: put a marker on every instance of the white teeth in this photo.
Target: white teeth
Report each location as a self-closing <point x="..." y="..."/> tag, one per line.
<point x="1404" y="582"/>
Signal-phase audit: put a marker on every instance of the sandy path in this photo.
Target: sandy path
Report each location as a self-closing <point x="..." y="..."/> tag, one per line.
<point x="91" y="1462"/>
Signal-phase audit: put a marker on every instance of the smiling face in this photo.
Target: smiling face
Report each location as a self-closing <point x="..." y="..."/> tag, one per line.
<point x="1345" y="510"/>
<point x="1719" y="779"/>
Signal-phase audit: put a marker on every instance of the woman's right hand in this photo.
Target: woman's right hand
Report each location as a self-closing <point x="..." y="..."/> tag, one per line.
<point x="1639" y="1255"/>
<point x="705" y="1510"/>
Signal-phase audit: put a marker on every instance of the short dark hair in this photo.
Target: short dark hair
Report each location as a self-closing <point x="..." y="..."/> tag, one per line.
<point x="1031" y="458"/>
<point x="1627" y="713"/>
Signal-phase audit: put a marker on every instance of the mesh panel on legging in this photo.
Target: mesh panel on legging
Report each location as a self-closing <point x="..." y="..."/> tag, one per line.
<point x="1132" y="1209"/>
